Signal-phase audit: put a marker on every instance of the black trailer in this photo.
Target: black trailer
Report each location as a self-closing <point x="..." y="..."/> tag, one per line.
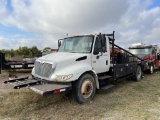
<point x="11" y="65"/>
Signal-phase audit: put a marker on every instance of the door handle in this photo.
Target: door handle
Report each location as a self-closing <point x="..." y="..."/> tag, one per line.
<point x="94" y="61"/>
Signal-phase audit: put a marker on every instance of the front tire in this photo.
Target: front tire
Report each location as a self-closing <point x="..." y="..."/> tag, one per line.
<point x="84" y="89"/>
<point x="151" y="69"/>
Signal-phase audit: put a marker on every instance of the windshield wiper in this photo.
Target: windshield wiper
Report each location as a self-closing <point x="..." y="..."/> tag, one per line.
<point x="72" y="52"/>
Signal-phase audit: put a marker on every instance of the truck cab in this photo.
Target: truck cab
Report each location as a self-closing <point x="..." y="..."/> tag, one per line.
<point x="76" y="55"/>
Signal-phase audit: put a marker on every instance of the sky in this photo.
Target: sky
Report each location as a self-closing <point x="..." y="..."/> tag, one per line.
<point x="42" y="22"/>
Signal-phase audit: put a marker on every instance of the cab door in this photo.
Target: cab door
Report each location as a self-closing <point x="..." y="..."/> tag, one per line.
<point x="101" y="54"/>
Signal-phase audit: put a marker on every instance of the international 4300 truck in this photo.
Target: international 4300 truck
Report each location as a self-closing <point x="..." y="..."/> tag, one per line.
<point x="83" y="64"/>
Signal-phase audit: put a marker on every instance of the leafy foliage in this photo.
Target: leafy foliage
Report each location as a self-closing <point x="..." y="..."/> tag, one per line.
<point x="22" y="51"/>
<point x="46" y="48"/>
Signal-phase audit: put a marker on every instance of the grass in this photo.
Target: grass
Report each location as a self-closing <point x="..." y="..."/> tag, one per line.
<point x="128" y="100"/>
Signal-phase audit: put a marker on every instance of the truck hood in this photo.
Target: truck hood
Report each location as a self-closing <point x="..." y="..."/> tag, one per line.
<point x="63" y="58"/>
<point x="142" y="55"/>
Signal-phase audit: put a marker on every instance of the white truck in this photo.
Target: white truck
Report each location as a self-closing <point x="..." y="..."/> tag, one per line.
<point x="83" y="64"/>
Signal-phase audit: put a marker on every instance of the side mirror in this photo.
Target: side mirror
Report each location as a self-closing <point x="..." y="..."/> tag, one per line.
<point x="59" y="43"/>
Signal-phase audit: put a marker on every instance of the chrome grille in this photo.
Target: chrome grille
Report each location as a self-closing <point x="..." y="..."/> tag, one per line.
<point x="43" y="69"/>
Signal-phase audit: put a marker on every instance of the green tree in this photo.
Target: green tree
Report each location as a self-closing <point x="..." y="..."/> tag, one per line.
<point x="12" y="52"/>
<point x="34" y="51"/>
<point x="22" y="51"/>
<point x="46" y="48"/>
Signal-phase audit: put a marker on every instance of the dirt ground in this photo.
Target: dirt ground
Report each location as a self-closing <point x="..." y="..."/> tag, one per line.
<point x="128" y="100"/>
<point x="4" y="76"/>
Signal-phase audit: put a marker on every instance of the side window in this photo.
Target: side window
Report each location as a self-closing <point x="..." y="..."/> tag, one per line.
<point x="153" y="51"/>
<point x="98" y="44"/>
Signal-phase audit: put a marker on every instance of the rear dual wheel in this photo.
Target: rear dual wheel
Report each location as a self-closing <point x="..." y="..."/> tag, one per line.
<point x="138" y="74"/>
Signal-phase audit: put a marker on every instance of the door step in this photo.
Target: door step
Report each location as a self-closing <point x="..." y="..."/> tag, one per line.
<point x="107" y="87"/>
<point x="104" y="77"/>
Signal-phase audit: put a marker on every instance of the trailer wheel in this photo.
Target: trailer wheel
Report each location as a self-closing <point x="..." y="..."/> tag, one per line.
<point x="151" y="69"/>
<point x="84" y="88"/>
<point x="138" y="74"/>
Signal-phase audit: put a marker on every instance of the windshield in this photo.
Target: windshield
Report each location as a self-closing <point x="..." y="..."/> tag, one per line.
<point x="141" y="51"/>
<point x="78" y="44"/>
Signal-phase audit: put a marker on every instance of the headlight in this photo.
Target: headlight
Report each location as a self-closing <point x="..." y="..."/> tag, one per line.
<point x="62" y="77"/>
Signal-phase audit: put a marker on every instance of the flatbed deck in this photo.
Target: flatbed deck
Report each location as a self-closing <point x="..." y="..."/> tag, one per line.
<point x="38" y="86"/>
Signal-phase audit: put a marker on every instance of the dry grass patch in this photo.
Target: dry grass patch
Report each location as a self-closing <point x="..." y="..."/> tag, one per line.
<point x="127" y="100"/>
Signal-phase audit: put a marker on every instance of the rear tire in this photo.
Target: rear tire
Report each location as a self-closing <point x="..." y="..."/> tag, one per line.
<point x="84" y="89"/>
<point x="138" y="75"/>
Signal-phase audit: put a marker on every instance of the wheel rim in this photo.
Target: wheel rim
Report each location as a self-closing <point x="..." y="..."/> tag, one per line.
<point x="151" y="69"/>
<point x="139" y="73"/>
<point x="87" y="88"/>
